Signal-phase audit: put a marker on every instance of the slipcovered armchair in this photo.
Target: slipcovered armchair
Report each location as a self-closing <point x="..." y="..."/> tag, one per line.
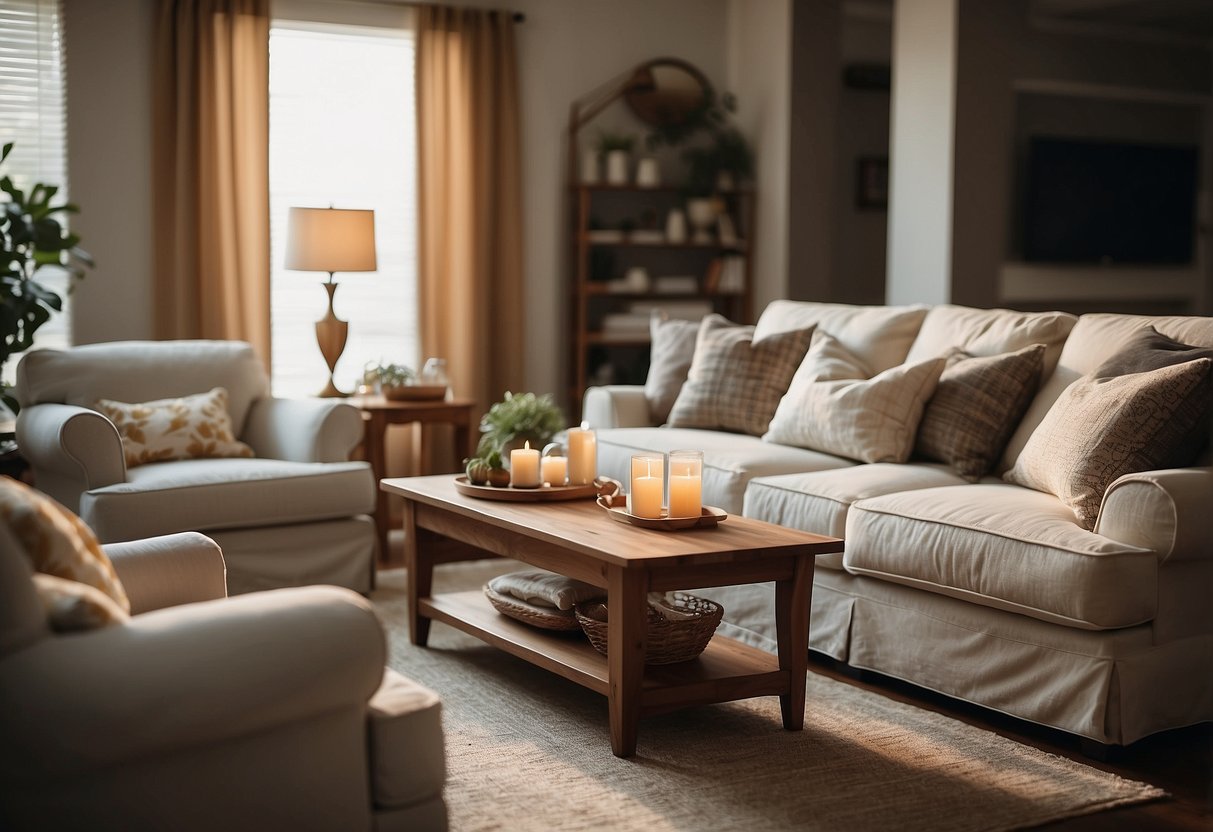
<point x="294" y="514"/>
<point x="272" y="710"/>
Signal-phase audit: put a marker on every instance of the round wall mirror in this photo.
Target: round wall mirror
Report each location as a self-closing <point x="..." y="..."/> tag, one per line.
<point x="667" y="92"/>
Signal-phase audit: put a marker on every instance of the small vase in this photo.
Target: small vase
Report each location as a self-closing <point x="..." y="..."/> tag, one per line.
<point x="676" y="226"/>
<point x="648" y="174"/>
<point x="617" y="167"/>
<point x="702" y="214"/>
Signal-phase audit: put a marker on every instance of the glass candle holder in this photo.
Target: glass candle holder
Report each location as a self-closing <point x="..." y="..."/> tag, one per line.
<point x="647" y="484"/>
<point x="686" y="483"/>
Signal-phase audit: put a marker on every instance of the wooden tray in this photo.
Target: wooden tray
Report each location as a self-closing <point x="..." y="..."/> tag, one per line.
<point x="543" y="494"/>
<point x="414" y="392"/>
<point x="618" y="510"/>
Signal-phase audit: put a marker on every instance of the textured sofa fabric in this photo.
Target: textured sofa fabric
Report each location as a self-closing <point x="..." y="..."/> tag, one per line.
<point x="988" y="591"/>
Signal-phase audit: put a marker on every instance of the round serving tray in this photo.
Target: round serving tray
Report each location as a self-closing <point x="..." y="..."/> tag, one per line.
<point x="618" y="510"/>
<point x="544" y="494"/>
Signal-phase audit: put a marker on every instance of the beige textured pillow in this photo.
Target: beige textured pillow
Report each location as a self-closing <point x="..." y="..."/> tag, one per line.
<point x="735" y="382"/>
<point x="976" y="407"/>
<point x="192" y="427"/>
<point x="673" y="347"/>
<point x="833" y="406"/>
<point x="59" y="545"/>
<point x="1100" y="429"/>
<point x="72" y="606"/>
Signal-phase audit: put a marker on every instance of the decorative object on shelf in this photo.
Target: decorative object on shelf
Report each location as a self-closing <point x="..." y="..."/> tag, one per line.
<point x="679" y="626"/>
<point x="517" y="418"/>
<point x="32" y="237"/>
<point x="676" y="226"/>
<point x="648" y="173"/>
<point x="686" y="484"/>
<point x="583" y="455"/>
<point x="591" y="169"/>
<point x="553" y="465"/>
<point x="702" y="213"/>
<point x="433" y="372"/>
<point x="647" y="485"/>
<point x="331" y="240"/>
<point x="637" y="279"/>
<point x="617" y="151"/>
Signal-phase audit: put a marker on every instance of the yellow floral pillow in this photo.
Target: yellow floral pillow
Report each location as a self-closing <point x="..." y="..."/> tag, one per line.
<point x="193" y="427"/>
<point x="60" y="546"/>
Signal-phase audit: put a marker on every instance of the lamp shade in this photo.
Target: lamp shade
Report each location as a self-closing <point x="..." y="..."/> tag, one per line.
<point x="330" y="240"/>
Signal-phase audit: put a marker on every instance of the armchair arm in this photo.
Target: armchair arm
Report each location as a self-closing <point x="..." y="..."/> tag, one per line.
<point x="71" y="449"/>
<point x="303" y="430"/>
<point x="1166" y="511"/>
<point x="186" y="677"/>
<point x="169" y="570"/>
<point x="616" y="406"/>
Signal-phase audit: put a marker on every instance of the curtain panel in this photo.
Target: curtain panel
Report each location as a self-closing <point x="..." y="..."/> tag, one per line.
<point x="469" y="199"/>
<point x="211" y="171"/>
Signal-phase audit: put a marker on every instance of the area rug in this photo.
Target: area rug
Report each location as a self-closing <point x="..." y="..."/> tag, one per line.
<point x="529" y="750"/>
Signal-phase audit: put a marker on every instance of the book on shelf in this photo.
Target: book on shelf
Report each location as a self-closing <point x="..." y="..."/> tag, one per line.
<point x="711" y="279"/>
<point x="732" y="276"/>
<point x="675" y="284"/>
<point x="689" y="310"/>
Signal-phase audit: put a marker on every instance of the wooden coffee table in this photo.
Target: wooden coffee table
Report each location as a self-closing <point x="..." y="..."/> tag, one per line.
<point x="577" y="539"/>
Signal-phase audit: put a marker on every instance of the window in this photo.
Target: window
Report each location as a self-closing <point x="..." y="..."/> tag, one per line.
<point x="32" y="116"/>
<point x="342" y="133"/>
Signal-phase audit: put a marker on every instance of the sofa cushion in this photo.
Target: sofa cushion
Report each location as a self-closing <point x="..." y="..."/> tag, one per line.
<point x="670" y="354"/>
<point x="818" y="501"/>
<point x="880" y="336"/>
<point x="408" y="763"/>
<point x="1103" y="428"/>
<point x="986" y="332"/>
<point x="735" y="380"/>
<point x="1094" y="339"/>
<point x="188" y="427"/>
<point x="730" y="460"/>
<point x="835" y="405"/>
<point x="1005" y="547"/>
<point x="201" y="494"/>
<point x="976" y="405"/>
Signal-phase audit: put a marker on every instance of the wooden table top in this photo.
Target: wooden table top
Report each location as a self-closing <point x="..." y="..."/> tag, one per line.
<point x="583" y="526"/>
<point x="378" y="402"/>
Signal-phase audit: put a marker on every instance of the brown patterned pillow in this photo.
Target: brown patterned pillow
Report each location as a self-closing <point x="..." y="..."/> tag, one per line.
<point x="192" y="427"/>
<point x="976" y="407"/>
<point x="734" y="382"/>
<point x="59" y="545"/>
<point x="1100" y="429"/>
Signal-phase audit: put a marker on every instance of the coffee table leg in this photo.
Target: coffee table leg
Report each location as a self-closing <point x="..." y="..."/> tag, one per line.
<point x="626" y="633"/>
<point x="421" y="573"/>
<point x="792" y="600"/>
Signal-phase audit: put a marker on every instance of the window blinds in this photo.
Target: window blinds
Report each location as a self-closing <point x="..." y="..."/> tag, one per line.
<point x="32" y="112"/>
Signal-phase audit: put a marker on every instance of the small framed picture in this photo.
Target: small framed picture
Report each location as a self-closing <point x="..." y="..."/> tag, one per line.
<point x="872" y="183"/>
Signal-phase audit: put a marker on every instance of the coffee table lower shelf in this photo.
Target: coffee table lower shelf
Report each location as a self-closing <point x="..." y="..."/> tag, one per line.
<point x="727" y="669"/>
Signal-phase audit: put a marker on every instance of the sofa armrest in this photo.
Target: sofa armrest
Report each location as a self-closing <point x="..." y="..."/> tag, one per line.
<point x="169" y="570"/>
<point x="186" y="677"/>
<point x="1166" y="511"/>
<point x="616" y="406"/>
<point x="303" y="430"/>
<point x="71" y="449"/>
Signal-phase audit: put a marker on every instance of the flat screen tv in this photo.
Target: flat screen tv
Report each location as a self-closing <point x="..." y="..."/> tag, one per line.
<point x="1106" y="202"/>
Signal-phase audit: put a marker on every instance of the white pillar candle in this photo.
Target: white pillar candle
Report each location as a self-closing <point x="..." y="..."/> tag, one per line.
<point x="686" y="483"/>
<point x="648" y="473"/>
<point x="524" y="467"/>
<point x="583" y="455"/>
<point x="553" y="470"/>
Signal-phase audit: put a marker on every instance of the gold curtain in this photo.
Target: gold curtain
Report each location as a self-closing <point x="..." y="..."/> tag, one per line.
<point x="469" y="199"/>
<point x="210" y="157"/>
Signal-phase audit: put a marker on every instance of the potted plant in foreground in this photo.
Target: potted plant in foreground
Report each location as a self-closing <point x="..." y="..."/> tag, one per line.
<point x="519" y="418"/>
<point x="31" y="238"/>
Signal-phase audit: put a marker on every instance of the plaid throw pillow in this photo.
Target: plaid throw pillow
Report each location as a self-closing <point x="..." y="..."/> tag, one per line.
<point x="735" y="383"/>
<point x="1100" y="429"/>
<point x="976" y="407"/>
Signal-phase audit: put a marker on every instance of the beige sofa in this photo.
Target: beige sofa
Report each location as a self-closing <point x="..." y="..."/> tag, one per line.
<point x="272" y="710"/>
<point x="988" y="592"/>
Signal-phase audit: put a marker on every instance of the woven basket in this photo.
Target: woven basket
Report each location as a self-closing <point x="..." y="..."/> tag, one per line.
<point x="669" y="641"/>
<point x="536" y="616"/>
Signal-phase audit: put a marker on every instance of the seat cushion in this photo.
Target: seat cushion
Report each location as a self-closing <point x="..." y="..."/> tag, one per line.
<point x="202" y="494"/>
<point x="818" y="501"/>
<point x="1005" y="547"/>
<point x="408" y="764"/>
<point x="730" y="460"/>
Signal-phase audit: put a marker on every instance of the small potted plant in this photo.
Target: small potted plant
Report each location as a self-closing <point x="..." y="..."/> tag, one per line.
<point x="519" y="418"/>
<point x="616" y="149"/>
<point x="393" y="380"/>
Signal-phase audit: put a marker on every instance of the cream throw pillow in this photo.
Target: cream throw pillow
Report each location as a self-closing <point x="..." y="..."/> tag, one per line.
<point x="735" y="382"/>
<point x="833" y="405"/>
<point x="192" y="427"/>
<point x="673" y="348"/>
<point x="1100" y="429"/>
<point x="84" y="588"/>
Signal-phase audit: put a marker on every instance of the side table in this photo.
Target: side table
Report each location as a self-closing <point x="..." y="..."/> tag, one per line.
<point x="378" y="413"/>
